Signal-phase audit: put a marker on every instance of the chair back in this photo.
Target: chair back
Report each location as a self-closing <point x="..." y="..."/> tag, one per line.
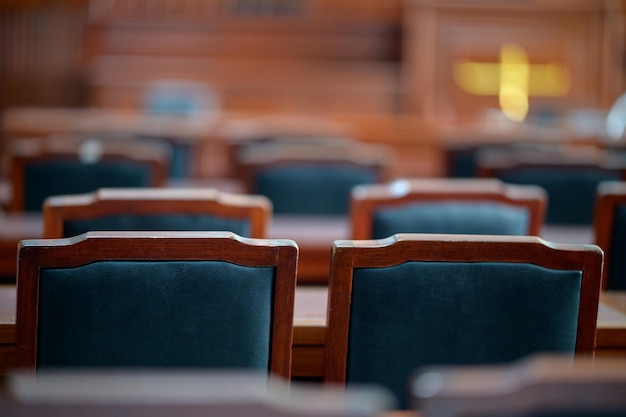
<point x="312" y="178"/>
<point x="537" y="386"/>
<point x="465" y="206"/>
<point x="412" y="300"/>
<point x="201" y="209"/>
<point x="156" y="299"/>
<point x="41" y="167"/>
<point x="609" y="229"/>
<point x="569" y="175"/>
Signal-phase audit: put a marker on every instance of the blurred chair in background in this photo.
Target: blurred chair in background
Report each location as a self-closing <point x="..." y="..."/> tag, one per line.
<point x="158" y="300"/>
<point x="570" y="175"/>
<point x="157" y="209"/>
<point x="312" y="177"/>
<point x="181" y="98"/>
<point x="609" y="228"/>
<point x="41" y="167"/>
<point x="161" y="393"/>
<point x="465" y="206"/>
<point x="243" y="135"/>
<point x="412" y="300"/>
<point x="537" y="386"/>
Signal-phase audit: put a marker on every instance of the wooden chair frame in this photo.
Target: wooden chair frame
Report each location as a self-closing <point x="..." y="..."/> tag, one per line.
<point x="375" y="157"/>
<point x="350" y="254"/>
<point x="365" y="200"/>
<point x="150" y="201"/>
<point x="492" y="160"/>
<point x="162" y="246"/>
<point x="609" y="196"/>
<point x="36" y="150"/>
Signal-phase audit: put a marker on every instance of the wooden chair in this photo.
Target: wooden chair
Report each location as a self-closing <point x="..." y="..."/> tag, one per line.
<point x="569" y="174"/>
<point x="413" y="300"/>
<point x="156" y="209"/>
<point x="538" y="386"/>
<point x="468" y="206"/>
<point x="156" y="299"/>
<point x="312" y="178"/>
<point x="609" y="229"/>
<point x="41" y="167"/>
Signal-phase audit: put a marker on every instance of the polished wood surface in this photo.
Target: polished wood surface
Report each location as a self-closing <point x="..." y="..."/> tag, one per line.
<point x="314" y="236"/>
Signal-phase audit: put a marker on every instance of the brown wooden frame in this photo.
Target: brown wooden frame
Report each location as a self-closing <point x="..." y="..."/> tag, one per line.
<point x="609" y="196"/>
<point x="159" y="246"/>
<point x="378" y="157"/>
<point x="149" y="201"/>
<point x="365" y="200"/>
<point x="25" y="151"/>
<point x="350" y="254"/>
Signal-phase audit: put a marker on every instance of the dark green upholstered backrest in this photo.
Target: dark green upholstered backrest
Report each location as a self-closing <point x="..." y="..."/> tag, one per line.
<point x="73" y="177"/>
<point x="155" y="314"/>
<point x="461" y="163"/>
<point x="445" y="313"/>
<point x="571" y="192"/>
<point x="164" y="222"/>
<point x="451" y="217"/>
<point x="617" y="257"/>
<point x="311" y="189"/>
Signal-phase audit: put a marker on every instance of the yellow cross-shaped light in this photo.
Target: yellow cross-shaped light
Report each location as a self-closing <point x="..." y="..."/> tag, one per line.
<point x="513" y="80"/>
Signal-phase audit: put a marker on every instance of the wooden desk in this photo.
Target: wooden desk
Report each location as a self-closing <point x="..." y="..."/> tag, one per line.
<point x="314" y="236"/>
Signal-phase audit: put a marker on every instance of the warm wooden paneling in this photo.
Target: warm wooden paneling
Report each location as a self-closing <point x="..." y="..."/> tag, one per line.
<point x="580" y="37"/>
<point x="40" y="52"/>
<point x="259" y="55"/>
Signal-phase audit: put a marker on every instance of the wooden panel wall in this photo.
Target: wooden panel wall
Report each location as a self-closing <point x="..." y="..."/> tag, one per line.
<point x="584" y="37"/>
<point x="347" y="56"/>
<point x="40" y="52"/>
<point x="381" y="64"/>
<point x="259" y="55"/>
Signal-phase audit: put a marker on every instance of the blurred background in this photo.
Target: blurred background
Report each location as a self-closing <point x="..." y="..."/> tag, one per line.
<point x="417" y="74"/>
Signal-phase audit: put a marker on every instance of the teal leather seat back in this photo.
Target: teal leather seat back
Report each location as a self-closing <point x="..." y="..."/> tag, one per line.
<point x="571" y="192"/>
<point x="158" y="222"/>
<point x="73" y="177"/>
<point x="451" y="217"/>
<point x="155" y="314"/>
<point x="616" y="279"/>
<point x="316" y="189"/>
<point x="445" y="313"/>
